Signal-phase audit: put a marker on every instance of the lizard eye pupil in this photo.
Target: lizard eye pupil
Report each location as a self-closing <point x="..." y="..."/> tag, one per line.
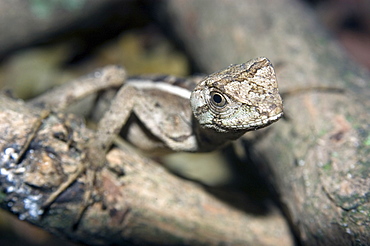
<point x="218" y="99"/>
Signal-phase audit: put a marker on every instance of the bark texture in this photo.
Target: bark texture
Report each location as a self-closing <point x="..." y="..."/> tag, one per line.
<point x="317" y="160"/>
<point x="142" y="203"/>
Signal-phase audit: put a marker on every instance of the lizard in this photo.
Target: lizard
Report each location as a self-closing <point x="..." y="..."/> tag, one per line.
<point x="156" y="115"/>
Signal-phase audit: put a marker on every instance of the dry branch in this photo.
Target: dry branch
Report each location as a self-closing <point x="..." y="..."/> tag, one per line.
<point x="143" y="204"/>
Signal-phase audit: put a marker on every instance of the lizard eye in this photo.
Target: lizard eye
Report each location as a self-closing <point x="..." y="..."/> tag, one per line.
<point x="218" y="99"/>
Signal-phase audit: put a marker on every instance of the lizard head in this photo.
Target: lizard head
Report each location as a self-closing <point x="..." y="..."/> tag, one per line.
<point x="239" y="98"/>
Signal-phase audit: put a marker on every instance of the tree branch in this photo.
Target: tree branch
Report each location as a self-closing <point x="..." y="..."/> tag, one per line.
<point x="142" y="202"/>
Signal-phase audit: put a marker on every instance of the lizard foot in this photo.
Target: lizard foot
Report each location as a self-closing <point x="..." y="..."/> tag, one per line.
<point x="92" y="190"/>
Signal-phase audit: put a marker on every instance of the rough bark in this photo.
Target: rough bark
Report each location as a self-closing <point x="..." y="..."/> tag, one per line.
<point x="142" y="203"/>
<point x="318" y="159"/>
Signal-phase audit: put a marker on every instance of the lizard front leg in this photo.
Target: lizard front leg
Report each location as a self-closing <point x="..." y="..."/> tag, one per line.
<point x="115" y="117"/>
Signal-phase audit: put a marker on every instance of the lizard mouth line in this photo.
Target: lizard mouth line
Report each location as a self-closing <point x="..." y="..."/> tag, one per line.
<point x="258" y="123"/>
<point x="268" y="120"/>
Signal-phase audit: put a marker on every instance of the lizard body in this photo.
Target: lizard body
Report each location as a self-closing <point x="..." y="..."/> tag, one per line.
<point x="161" y="115"/>
<point x="165" y="113"/>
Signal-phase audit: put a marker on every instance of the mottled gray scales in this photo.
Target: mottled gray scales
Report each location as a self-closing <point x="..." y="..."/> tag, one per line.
<point x="157" y="113"/>
<point x="251" y="94"/>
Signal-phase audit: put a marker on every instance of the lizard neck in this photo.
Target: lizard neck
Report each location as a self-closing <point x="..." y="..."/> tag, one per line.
<point x="210" y="139"/>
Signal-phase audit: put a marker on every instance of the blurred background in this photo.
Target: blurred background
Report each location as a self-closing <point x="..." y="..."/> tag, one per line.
<point x="44" y="43"/>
